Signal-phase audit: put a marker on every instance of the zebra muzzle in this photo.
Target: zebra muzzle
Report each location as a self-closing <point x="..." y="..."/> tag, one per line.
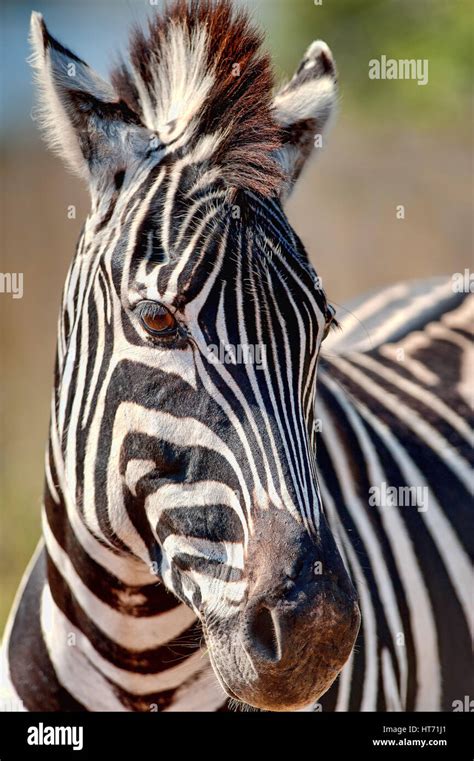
<point x="299" y="624"/>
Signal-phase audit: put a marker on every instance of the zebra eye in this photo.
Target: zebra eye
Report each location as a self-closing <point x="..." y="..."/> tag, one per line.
<point x="157" y="319"/>
<point x="330" y="322"/>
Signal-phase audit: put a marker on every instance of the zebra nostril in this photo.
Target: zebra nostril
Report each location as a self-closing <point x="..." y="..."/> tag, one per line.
<point x="263" y="634"/>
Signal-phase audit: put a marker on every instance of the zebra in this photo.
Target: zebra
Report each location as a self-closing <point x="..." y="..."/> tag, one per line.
<point x="395" y="401"/>
<point x="208" y="539"/>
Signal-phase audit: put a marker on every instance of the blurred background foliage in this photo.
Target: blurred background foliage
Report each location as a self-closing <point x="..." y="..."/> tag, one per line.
<point x="395" y="143"/>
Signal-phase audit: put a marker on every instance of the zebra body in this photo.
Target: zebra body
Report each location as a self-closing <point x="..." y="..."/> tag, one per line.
<point x="395" y="398"/>
<point x="180" y="489"/>
<point x="399" y="576"/>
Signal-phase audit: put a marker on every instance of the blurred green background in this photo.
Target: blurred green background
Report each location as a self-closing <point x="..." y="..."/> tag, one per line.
<point x="395" y="143"/>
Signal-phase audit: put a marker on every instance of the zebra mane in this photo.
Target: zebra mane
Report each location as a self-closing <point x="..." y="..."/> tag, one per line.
<point x="199" y="71"/>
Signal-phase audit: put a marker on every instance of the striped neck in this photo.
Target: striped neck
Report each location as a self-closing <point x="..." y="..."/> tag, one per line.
<point x="116" y="638"/>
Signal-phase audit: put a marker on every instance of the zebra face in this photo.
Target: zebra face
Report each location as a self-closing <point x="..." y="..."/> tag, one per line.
<point x="214" y="451"/>
<point x="189" y="341"/>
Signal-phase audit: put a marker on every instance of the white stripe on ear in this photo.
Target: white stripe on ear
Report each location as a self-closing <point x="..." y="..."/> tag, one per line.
<point x="73" y="102"/>
<point x="304" y="108"/>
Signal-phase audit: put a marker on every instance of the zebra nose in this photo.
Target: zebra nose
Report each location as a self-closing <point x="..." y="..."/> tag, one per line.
<point x="284" y="625"/>
<point x="264" y="634"/>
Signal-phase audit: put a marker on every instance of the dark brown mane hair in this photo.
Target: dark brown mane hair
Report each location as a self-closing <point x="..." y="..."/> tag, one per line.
<point x="237" y="105"/>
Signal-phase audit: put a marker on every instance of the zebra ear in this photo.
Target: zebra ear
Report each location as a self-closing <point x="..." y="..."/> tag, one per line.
<point x="77" y="109"/>
<point x="304" y="108"/>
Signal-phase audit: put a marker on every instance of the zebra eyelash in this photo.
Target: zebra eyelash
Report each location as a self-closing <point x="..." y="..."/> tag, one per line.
<point x="149" y="308"/>
<point x="331" y="322"/>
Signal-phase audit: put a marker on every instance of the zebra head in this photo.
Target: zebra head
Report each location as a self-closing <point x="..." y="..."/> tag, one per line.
<point x="189" y="336"/>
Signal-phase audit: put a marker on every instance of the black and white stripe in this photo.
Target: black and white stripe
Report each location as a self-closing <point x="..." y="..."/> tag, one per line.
<point x="164" y="467"/>
<point x="402" y="419"/>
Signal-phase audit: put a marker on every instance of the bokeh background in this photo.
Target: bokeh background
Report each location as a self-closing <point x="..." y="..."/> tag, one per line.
<point x="395" y="143"/>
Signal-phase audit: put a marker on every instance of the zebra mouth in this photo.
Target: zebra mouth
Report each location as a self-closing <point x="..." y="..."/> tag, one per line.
<point x="228" y="690"/>
<point x="295" y="629"/>
<point x="301" y="664"/>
